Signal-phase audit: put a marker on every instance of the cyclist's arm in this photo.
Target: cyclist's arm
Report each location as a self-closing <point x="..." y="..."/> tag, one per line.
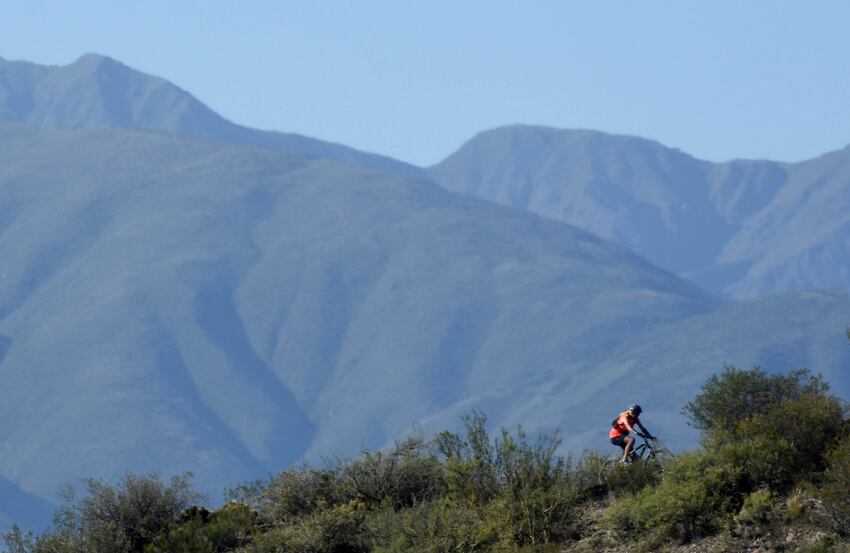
<point x="643" y="428"/>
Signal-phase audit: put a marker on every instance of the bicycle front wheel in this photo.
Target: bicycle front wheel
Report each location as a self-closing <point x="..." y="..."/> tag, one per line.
<point x="662" y="455"/>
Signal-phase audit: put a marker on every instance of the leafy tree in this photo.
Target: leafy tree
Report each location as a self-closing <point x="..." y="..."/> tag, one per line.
<point x="737" y="394"/>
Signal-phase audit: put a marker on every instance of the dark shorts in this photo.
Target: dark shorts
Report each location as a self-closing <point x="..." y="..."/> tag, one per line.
<point x="619" y="441"/>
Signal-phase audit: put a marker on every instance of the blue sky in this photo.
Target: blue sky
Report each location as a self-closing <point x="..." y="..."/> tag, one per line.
<point x="415" y="79"/>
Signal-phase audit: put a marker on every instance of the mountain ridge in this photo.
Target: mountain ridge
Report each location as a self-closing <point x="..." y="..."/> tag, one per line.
<point x="685" y="214"/>
<point x="97" y="91"/>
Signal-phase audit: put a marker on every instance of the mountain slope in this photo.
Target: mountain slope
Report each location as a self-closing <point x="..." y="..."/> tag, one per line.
<point x="26" y="510"/>
<point x="629" y="190"/>
<point x="99" y="92"/>
<point x="728" y="226"/>
<point x="174" y="304"/>
<point x="802" y="237"/>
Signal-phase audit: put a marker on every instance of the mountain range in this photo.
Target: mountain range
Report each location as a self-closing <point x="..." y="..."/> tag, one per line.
<point x="176" y="295"/>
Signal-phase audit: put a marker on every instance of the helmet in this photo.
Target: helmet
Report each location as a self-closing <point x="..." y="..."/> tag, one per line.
<point x="635" y="408"/>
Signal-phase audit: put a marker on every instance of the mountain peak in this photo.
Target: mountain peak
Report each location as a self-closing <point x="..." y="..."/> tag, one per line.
<point x="554" y="136"/>
<point x="97" y="91"/>
<point x="92" y="57"/>
<point x="96" y="64"/>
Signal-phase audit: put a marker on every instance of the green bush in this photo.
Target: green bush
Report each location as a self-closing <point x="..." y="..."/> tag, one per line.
<point x="333" y="530"/>
<point x="632" y="478"/>
<point x="440" y="526"/>
<point x="537" y="488"/>
<point x="761" y="460"/>
<point x="833" y="509"/>
<point x="470" y="464"/>
<point x="407" y="474"/>
<point x="218" y="532"/>
<point x="121" y="518"/>
<point x="527" y="484"/>
<point x="778" y="428"/>
<point x="592" y="474"/>
<point x="696" y="498"/>
<point x="17" y="541"/>
<point x="299" y="492"/>
<point x="802" y="430"/>
<point x="737" y="395"/>
<point x="758" y="515"/>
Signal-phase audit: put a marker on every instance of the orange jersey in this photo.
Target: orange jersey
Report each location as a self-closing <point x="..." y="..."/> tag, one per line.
<point x="619" y="428"/>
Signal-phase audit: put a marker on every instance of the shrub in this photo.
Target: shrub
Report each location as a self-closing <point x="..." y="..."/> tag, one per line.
<point x="592" y="474"/>
<point x="632" y="478"/>
<point x="538" y="492"/>
<point x="470" y="464"/>
<point x="17" y="541"/>
<point x="695" y="498"/>
<point x="439" y="526"/>
<point x="761" y="461"/>
<point x="802" y="430"/>
<point x="334" y="530"/>
<point x="833" y="511"/>
<point x="223" y="530"/>
<point x="777" y="427"/>
<point x="527" y="484"/>
<point x="121" y="518"/>
<point x="407" y="474"/>
<point x="296" y="493"/>
<point x="758" y="514"/>
<point x="737" y="395"/>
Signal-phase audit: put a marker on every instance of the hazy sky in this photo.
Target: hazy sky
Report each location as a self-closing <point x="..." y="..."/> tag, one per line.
<point x="415" y="79"/>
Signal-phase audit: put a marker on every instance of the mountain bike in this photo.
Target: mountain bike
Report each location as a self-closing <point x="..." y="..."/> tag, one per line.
<point x="648" y="450"/>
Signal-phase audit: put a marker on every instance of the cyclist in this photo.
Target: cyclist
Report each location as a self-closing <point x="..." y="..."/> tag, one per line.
<point x="623" y="425"/>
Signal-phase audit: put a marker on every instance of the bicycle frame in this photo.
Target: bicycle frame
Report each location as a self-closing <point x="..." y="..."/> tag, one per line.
<point x="645" y="449"/>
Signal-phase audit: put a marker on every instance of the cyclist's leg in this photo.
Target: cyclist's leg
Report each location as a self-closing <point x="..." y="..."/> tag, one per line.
<point x="619" y="441"/>
<point x="627" y="449"/>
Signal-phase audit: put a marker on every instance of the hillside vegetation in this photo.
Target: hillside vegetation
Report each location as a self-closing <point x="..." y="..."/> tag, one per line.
<point x="772" y="473"/>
